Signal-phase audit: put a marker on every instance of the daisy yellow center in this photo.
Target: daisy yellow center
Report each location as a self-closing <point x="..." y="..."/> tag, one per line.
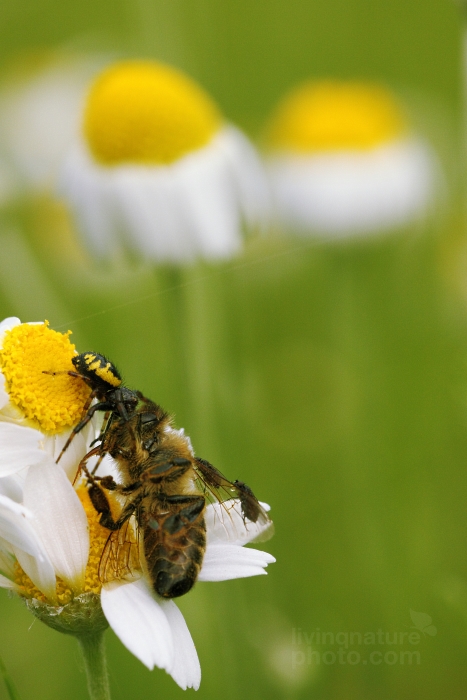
<point x="330" y="115"/>
<point x="143" y="112"/>
<point x="51" y="402"/>
<point x="98" y="537"/>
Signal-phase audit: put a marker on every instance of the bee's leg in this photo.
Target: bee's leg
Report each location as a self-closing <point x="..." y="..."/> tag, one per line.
<point x="101" y="504"/>
<point x="105" y="425"/>
<point x="120" y="405"/>
<point x="82" y="466"/>
<point x="98" y="463"/>
<point x="84" y="414"/>
<point x="89" y="414"/>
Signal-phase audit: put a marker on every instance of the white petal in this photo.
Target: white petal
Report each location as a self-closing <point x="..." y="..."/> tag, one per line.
<point x="40" y="571"/>
<point x="17" y="535"/>
<point x="139" y="621"/>
<point x="73" y="455"/>
<point x="19" y="448"/>
<point x="223" y="562"/>
<point x="12" y="487"/>
<point x="60" y="520"/>
<point x="7" y="564"/>
<point x="6" y="325"/>
<point x="185" y="669"/>
<point x="38" y="567"/>
<point x="225" y="523"/>
<point x="6" y="583"/>
<point x="15" y="526"/>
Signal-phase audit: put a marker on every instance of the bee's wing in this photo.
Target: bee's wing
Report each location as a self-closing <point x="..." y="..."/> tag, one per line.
<point x="234" y="512"/>
<point x="120" y="558"/>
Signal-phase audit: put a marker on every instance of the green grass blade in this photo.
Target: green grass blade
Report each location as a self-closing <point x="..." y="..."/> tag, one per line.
<point x="12" y="692"/>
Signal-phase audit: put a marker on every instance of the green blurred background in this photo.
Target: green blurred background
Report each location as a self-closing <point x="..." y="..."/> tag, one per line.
<point x="332" y="378"/>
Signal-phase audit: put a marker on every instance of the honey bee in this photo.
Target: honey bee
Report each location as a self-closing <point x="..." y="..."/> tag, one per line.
<point x="165" y="489"/>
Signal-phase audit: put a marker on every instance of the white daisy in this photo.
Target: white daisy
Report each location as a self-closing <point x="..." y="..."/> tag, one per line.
<point x="50" y="547"/>
<point x="51" y="541"/>
<point x="40" y="106"/>
<point x="37" y="410"/>
<point x="342" y="160"/>
<point x="158" y="171"/>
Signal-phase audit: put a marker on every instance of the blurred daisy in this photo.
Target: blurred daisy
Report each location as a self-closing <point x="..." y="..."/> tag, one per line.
<point x="51" y="540"/>
<point x="158" y="170"/>
<point x="40" y="111"/>
<point x="342" y="160"/>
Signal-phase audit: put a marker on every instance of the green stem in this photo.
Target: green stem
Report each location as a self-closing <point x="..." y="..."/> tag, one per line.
<point x="12" y="692"/>
<point x="92" y="647"/>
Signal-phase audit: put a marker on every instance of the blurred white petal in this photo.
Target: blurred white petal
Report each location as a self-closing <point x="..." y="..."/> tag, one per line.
<point x="338" y="193"/>
<point x="40" y="115"/>
<point x="249" y="177"/>
<point x="148" y="205"/>
<point x="60" y="520"/>
<point x="193" y="207"/>
<point x="209" y="202"/>
<point x="223" y="562"/>
<point x="86" y="189"/>
<point x="140" y="622"/>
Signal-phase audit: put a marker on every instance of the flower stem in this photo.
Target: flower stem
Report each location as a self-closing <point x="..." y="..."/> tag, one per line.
<point x="92" y="647"/>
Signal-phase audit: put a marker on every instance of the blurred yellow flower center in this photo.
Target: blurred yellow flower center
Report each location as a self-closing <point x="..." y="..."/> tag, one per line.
<point x="51" y="402"/>
<point x="98" y="536"/>
<point x="329" y="115"/>
<point x="147" y="113"/>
